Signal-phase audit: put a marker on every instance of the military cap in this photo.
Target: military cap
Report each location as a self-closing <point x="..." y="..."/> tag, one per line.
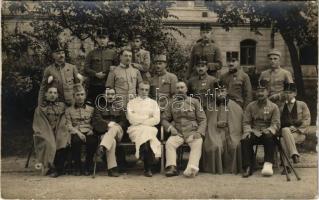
<point x="219" y="85"/>
<point x="201" y="60"/>
<point x="205" y="27"/>
<point x="78" y="88"/>
<point x="274" y="52"/>
<point x="136" y="36"/>
<point x="290" y="87"/>
<point x="101" y="32"/>
<point x="262" y="84"/>
<point x="160" y="58"/>
<point x="52" y="84"/>
<point x="56" y="46"/>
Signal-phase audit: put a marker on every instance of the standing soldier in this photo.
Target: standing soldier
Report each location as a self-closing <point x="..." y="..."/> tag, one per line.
<point x="78" y="119"/>
<point x="124" y="78"/>
<point x="260" y="125"/>
<point x="208" y="49"/>
<point x="238" y="84"/>
<point x="63" y="74"/>
<point x="186" y="121"/>
<point x="163" y="82"/>
<point x="97" y="64"/>
<point x="276" y="76"/>
<point x="200" y="85"/>
<point x="140" y="57"/>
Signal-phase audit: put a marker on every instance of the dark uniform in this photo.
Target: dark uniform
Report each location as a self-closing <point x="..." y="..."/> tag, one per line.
<point x="79" y="119"/>
<point x="99" y="60"/>
<point x="238" y="87"/>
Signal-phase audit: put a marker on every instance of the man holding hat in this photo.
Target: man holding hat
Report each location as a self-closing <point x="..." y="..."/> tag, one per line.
<point x="221" y="148"/>
<point x="51" y="136"/>
<point x="238" y="84"/>
<point x="208" y="49"/>
<point x="110" y="122"/>
<point x="97" y="64"/>
<point x="140" y="57"/>
<point x="163" y="82"/>
<point x="185" y="119"/>
<point x="276" y="76"/>
<point x="79" y="118"/>
<point x="295" y="118"/>
<point x="200" y="85"/>
<point x="63" y="74"/>
<point x="260" y="125"/>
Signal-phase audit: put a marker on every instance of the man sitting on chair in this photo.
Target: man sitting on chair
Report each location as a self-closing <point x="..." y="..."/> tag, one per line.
<point x="295" y="118"/>
<point x="185" y="119"/>
<point x="260" y="124"/>
<point x="143" y="114"/>
<point x="109" y="121"/>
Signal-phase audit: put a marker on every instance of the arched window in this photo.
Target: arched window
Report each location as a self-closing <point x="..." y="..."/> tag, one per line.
<point x="248" y="52"/>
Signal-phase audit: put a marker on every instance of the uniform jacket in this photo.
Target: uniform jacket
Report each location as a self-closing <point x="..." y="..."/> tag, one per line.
<point x="258" y="117"/>
<point x="303" y="116"/>
<point x="143" y="58"/>
<point x="65" y="77"/>
<point x="124" y="79"/>
<point x="210" y="51"/>
<point x="48" y="139"/>
<point x="79" y="118"/>
<point x="276" y="79"/>
<point x="238" y="87"/>
<point x="186" y="115"/>
<point x="201" y="88"/>
<point x="100" y="60"/>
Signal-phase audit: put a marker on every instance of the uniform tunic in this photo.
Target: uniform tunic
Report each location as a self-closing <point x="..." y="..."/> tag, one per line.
<point x="65" y="76"/>
<point x="143" y="58"/>
<point x="79" y="118"/>
<point x="238" y="87"/>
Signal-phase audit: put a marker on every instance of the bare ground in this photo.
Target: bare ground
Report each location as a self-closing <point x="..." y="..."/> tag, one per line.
<point x="18" y="182"/>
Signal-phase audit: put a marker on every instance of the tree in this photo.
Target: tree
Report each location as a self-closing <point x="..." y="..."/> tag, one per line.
<point x="295" y="21"/>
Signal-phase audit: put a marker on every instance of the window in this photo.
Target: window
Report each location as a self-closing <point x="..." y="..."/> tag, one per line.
<point x="199" y="3"/>
<point x="248" y="52"/>
<point x="230" y="55"/>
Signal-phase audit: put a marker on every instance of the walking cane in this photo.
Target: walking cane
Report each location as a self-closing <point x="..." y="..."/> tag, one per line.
<point x="29" y="155"/>
<point x="94" y="168"/>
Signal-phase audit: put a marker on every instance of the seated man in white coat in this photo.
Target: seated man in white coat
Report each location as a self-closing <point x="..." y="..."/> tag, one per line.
<point x="143" y="114"/>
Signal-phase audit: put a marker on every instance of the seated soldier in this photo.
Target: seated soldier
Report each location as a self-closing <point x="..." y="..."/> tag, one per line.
<point x="295" y="118"/>
<point x="143" y="114"/>
<point x="186" y="121"/>
<point x="221" y="151"/>
<point x="50" y="133"/>
<point x="79" y="118"/>
<point x="260" y="125"/>
<point x="110" y="122"/>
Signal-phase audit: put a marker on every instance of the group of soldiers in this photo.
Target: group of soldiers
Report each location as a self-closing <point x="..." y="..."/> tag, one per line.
<point x="129" y="100"/>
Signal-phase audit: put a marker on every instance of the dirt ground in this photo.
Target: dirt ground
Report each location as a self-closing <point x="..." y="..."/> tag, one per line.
<point x="18" y="182"/>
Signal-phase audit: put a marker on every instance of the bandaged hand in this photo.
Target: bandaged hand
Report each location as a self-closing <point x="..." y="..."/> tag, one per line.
<point x="111" y="124"/>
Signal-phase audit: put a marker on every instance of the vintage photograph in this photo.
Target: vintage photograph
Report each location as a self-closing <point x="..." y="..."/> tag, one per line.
<point x="159" y="99"/>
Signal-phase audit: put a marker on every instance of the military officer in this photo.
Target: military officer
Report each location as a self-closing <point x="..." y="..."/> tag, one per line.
<point x="206" y="48"/>
<point x="295" y="118"/>
<point x="97" y="64"/>
<point x="110" y="122"/>
<point x="260" y="125"/>
<point x="63" y="74"/>
<point x="186" y="121"/>
<point x="79" y="118"/>
<point x="163" y="82"/>
<point x="124" y="78"/>
<point x="238" y="84"/>
<point x="200" y="85"/>
<point x="276" y="76"/>
<point x="140" y="57"/>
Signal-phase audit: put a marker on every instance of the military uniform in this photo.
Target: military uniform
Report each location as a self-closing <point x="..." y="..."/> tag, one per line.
<point x="164" y="85"/>
<point x="111" y="123"/>
<point x="238" y="87"/>
<point x="99" y="60"/>
<point x="258" y="117"/>
<point x="187" y="117"/>
<point x="65" y="77"/>
<point x="208" y="50"/>
<point x="200" y="87"/>
<point x="142" y="57"/>
<point x="79" y="119"/>
<point x="124" y="79"/>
